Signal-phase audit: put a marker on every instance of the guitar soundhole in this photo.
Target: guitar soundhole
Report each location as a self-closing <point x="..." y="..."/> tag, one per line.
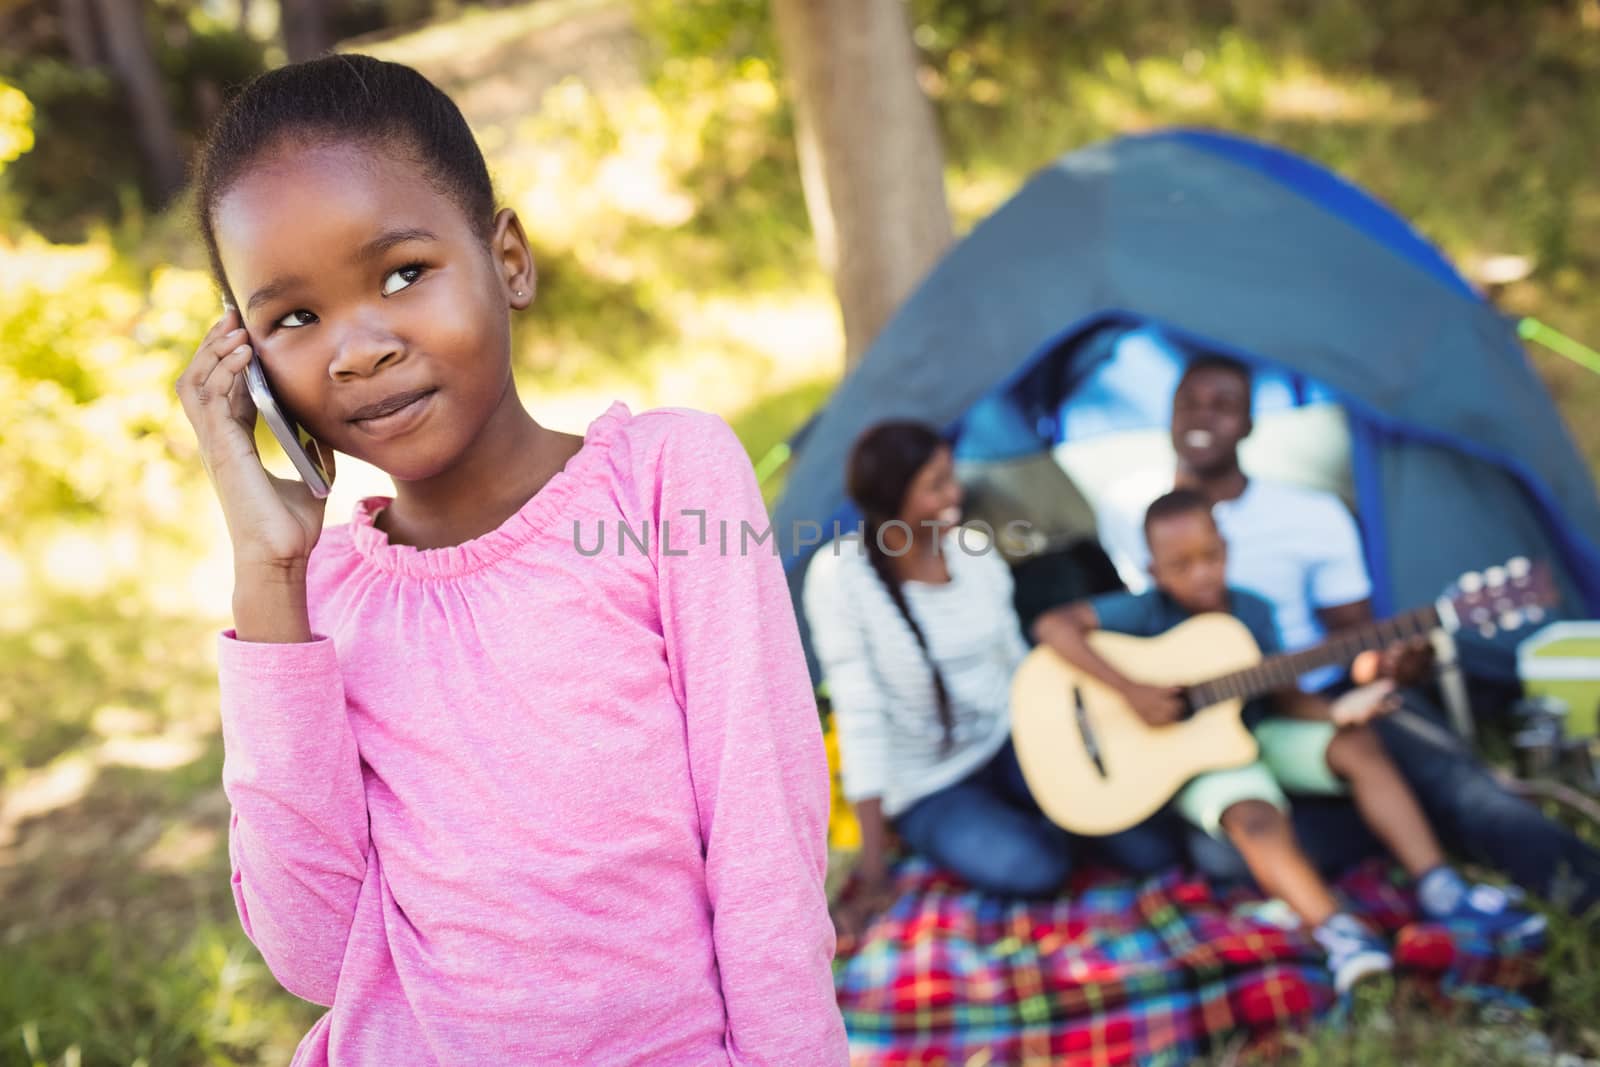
<point x="1189" y="708"/>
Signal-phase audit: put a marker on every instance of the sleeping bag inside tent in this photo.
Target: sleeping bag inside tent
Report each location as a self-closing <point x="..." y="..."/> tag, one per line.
<point x="1047" y="344"/>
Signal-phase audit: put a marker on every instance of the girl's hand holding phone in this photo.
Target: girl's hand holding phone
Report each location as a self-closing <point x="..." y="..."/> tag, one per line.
<point x="274" y="522"/>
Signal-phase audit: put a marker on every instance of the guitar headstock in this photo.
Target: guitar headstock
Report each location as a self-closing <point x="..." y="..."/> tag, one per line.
<point x="1500" y="598"/>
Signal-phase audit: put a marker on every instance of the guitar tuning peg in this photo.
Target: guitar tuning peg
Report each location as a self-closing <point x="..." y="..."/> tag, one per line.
<point x="1470" y="582"/>
<point x="1518" y="567"/>
<point x="1486" y="630"/>
<point x="1535" y="614"/>
<point x="1495" y="576"/>
<point x="1510" y="620"/>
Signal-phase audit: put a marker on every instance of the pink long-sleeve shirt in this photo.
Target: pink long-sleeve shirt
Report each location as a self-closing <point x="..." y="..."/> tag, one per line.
<point x="520" y="802"/>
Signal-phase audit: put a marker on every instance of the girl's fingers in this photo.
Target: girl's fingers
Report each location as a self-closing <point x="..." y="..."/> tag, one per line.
<point x="208" y="391"/>
<point x="240" y="404"/>
<point x="221" y="339"/>
<point x="206" y="357"/>
<point x="236" y="356"/>
<point x="228" y="371"/>
<point x="217" y="329"/>
<point x="229" y="321"/>
<point x="225" y="343"/>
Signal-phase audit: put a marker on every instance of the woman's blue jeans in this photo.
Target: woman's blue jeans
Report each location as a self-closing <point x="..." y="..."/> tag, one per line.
<point x="988" y="830"/>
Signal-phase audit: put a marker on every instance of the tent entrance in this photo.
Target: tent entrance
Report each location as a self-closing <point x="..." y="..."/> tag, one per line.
<point x="1099" y="405"/>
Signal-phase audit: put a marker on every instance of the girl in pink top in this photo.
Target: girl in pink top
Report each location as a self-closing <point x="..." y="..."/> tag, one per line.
<point x="523" y="761"/>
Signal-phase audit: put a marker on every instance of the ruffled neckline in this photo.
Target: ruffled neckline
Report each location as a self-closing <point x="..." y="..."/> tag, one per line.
<point x="523" y="526"/>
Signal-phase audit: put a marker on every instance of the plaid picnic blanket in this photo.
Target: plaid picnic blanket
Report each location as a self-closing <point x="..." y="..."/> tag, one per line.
<point x="1119" y="971"/>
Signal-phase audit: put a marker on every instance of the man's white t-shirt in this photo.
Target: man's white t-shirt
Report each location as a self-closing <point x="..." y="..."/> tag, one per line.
<point x="1299" y="548"/>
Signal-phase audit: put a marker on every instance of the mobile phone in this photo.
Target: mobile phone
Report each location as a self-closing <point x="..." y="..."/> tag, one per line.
<point x="303" y="450"/>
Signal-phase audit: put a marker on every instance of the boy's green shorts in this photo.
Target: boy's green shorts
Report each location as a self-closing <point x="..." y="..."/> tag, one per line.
<point x="1294" y="758"/>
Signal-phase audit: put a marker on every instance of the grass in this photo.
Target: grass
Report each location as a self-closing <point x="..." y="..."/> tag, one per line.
<point x="773" y="420"/>
<point x="104" y="994"/>
<point x="1397" y="1028"/>
<point x="119" y="937"/>
<point x="677" y="268"/>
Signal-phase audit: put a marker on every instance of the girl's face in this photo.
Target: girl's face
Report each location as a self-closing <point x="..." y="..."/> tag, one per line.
<point x="934" y="495"/>
<point x="361" y="283"/>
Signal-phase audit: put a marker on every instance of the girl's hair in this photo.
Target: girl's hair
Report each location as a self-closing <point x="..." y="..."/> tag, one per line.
<point x="344" y="98"/>
<point x="883" y="463"/>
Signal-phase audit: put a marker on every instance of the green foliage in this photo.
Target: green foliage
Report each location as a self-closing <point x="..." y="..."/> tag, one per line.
<point x="86" y="160"/>
<point x="723" y="32"/>
<point x="208" y="62"/>
<point x="747" y="180"/>
<point x="717" y="61"/>
<point x="121" y="943"/>
<point x="84" y="150"/>
<point x="101" y="481"/>
<point x="102" y="991"/>
<point x="16" y="123"/>
<point x="1382" y="1036"/>
<point x="1572" y="963"/>
<point x="67" y="978"/>
<point x="1393" y="1024"/>
<point x="87" y="361"/>
<point x="1473" y="119"/>
<point x="774" y="419"/>
<point x="16" y="140"/>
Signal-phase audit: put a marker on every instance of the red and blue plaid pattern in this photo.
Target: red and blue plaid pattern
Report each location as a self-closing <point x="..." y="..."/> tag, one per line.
<point x="1116" y="971"/>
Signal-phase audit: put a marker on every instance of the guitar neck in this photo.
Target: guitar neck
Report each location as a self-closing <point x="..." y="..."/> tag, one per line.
<point x="1282" y="671"/>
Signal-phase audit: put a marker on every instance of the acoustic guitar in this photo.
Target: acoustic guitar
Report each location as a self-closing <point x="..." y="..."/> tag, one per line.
<point x="1096" y="767"/>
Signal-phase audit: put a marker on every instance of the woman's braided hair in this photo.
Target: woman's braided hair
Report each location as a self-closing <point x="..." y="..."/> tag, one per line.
<point x="882" y="465"/>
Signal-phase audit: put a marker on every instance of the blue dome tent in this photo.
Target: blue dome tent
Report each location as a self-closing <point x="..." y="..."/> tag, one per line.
<point x="1048" y="325"/>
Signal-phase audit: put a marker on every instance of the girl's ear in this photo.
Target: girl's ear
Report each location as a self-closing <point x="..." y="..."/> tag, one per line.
<point x="508" y="245"/>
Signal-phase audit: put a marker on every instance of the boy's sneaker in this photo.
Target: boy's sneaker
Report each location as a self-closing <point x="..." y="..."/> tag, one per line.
<point x="1489" y="910"/>
<point x="1493" y="912"/>
<point x="1354" y="951"/>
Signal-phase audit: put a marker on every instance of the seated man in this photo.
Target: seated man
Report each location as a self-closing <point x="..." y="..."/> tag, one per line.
<point x="1300" y="550"/>
<point x="1307" y="745"/>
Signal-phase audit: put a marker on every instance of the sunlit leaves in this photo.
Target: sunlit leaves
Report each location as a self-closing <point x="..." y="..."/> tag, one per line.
<point x="16" y="123"/>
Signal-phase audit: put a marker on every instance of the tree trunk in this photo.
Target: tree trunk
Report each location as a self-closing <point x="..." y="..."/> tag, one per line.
<point x="128" y="49"/>
<point x="77" y="29"/>
<point x="305" y="29"/>
<point x="870" y="158"/>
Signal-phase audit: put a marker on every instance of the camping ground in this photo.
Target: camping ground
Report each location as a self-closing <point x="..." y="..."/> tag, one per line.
<point x="649" y="148"/>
